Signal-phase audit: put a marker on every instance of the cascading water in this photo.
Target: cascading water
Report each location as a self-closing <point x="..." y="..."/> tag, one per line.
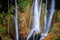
<point x="16" y="21"/>
<point x="40" y="8"/>
<point x="36" y="19"/>
<point x="45" y="18"/>
<point x="47" y="22"/>
<point x="52" y="9"/>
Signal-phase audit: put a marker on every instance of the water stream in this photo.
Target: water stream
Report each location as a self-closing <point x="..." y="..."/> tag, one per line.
<point x="36" y="19"/>
<point x="47" y="21"/>
<point x="16" y="21"/>
<point x="37" y="8"/>
<point x="52" y="9"/>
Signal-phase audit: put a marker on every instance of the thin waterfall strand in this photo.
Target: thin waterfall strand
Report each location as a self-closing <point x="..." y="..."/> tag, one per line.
<point x="45" y="19"/>
<point x="52" y="9"/>
<point x="31" y="16"/>
<point x="36" y="18"/>
<point x="16" y="21"/>
<point x="36" y="28"/>
<point x="40" y="8"/>
<point x="45" y="24"/>
<point x="30" y="34"/>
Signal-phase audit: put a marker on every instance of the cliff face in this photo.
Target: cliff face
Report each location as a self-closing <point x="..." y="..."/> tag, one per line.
<point x="24" y="20"/>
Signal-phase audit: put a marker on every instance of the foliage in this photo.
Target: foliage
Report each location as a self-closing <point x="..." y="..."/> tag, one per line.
<point x="2" y="30"/>
<point x="22" y="4"/>
<point x="54" y="30"/>
<point x="6" y="22"/>
<point x="58" y="38"/>
<point x="12" y="9"/>
<point x="58" y="20"/>
<point x="1" y="17"/>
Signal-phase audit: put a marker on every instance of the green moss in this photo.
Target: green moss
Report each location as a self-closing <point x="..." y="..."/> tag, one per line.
<point x="1" y="16"/>
<point x="54" y="30"/>
<point x="0" y="21"/>
<point x="58" y="38"/>
<point x="2" y="30"/>
<point x="22" y="4"/>
<point x="58" y="20"/>
<point x="12" y="9"/>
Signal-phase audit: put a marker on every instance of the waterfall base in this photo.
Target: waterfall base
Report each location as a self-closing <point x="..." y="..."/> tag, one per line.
<point x="43" y="36"/>
<point x="35" y="37"/>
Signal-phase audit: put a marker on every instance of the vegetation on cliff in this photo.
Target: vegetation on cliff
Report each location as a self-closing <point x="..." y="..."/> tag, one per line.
<point x="24" y="7"/>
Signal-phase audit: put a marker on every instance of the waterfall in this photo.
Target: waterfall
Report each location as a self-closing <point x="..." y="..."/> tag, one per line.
<point x="47" y="21"/>
<point x="45" y="18"/>
<point x="16" y="21"/>
<point x="36" y="19"/>
<point x="45" y="24"/>
<point x="40" y="8"/>
<point x="52" y="9"/>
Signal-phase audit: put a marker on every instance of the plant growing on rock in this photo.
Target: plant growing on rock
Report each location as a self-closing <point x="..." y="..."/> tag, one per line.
<point x="22" y="4"/>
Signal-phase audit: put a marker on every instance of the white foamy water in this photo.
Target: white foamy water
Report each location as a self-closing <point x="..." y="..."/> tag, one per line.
<point x="36" y="19"/>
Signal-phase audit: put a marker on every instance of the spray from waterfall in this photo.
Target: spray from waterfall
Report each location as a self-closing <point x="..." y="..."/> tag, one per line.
<point x="16" y="21"/>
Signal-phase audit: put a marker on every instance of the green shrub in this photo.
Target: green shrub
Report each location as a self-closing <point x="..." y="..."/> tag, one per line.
<point x="54" y="30"/>
<point x="12" y="9"/>
<point x="2" y="19"/>
<point x="2" y="30"/>
<point x="58" y="38"/>
<point x="22" y="4"/>
<point x="1" y="16"/>
<point x="58" y="20"/>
